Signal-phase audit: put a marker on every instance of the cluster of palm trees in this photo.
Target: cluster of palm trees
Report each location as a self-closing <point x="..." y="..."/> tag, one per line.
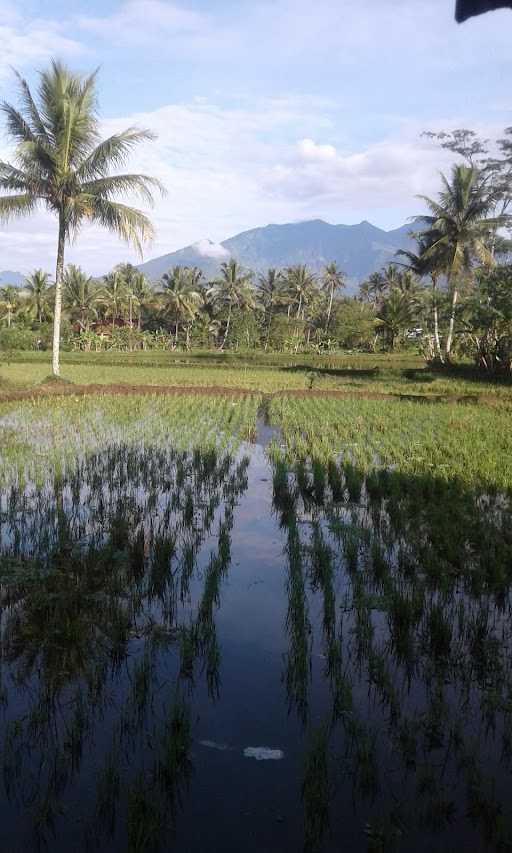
<point x="183" y="297"/>
<point x="61" y="163"/>
<point x="28" y="305"/>
<point x="459" y="237"/>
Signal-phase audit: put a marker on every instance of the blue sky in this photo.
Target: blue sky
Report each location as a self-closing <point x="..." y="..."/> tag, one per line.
<point x="265" y="111"/>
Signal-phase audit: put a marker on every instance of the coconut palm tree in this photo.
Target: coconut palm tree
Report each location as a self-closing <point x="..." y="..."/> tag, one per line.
<point x="301" y="284"/>
<point x="113" y="295"/>
<point x="397" y="312"/>
<point x="181" y="300"/>
<point x="374" y="287"/>
<point x="80" y="296"/>
<point x="270" y="294"/>
<point x="333" y="279"/>
<point x="9" y="302"/>
<point x="61" y="163"/>
<point x="423" y="263"/>
<point x="37" y="285"/>
<point x="460" y="231"/>
<point x="138" y="291"/>
<point x="232" y="290"/>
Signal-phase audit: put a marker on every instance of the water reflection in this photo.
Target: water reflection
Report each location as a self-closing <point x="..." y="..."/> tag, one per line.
<point x="100" y="642"/>
<point x="139" y="587"/>
<point x="409" y="579"/>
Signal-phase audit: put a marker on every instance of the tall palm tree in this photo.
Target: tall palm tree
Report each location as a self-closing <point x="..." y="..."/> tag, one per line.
<point x="374" y="288"/>
<point x="232" y="290"/>
<point x="61" y="163"/>
<point x="460" y="231"/>
<point x="80" y="296"/>
<point x="37" y="285"/>
<point x="333" y="279"/>
<point x="397" y="312"/>
<point x="180" y="296"/>
<point x="270" y="294"/>
<point x="138" y="291"/>
<point x="9" y="301"/>
<point x="301" y="283"/>
<point x="113" y="295"/>
<point x="423" y="263"/>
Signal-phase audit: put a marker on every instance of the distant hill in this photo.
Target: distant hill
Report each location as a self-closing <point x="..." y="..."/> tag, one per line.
<point x="358" y="249"/>
<point x="10" y="277"/>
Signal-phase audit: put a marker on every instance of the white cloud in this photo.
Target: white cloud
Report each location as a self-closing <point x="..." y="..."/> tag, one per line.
<point x="142" y="22"/>
<point x="27" y="40"/>
<point x="229" y="169"/>
<point x="310" y="150"/>
<point x="209" y="249"/>
<point x="234" y="158"/>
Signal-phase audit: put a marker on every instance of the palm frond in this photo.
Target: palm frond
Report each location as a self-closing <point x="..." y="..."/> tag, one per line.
<point x="128" y="223"/>
<point x="13" y="206"/>
<point x="112" y="153"/>
<point x="110" y="186"/>
<point x="17" y="128"/>
<point x="15" y="180"/>
<point x="34" y="120"/>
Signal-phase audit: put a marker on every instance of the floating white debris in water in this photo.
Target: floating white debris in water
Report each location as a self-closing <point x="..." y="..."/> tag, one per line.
<point x="263" y="753"/>
<point x="212" y="744"/>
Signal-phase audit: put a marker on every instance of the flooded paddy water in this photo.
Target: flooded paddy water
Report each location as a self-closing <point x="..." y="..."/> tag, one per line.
<point x="208" y="647"/>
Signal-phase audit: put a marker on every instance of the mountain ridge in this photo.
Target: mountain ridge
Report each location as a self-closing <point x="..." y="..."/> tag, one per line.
<point x="359" y="249"/>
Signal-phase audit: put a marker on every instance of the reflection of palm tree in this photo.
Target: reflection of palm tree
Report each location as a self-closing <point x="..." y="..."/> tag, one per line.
<point x="62" y="165"/>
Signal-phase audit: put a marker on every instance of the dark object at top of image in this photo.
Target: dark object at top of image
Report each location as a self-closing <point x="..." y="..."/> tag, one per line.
<point x="465" y="9"/>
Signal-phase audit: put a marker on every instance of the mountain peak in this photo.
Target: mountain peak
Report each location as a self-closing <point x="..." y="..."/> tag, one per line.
<point x="358" y="249"/>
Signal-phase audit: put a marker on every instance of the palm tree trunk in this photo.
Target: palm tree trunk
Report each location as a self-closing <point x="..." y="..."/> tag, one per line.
<point x="9" y="316"/>
<point x="227" y="328"/>
<point x="176" y="334"/>
<point x="449" y="339"/>
<point x="267" y="336"/>
<point x="300" y="306"/>
<point x="437" y="338"/>
<point x="57" y="312"/>
<point x="329" y="309"/>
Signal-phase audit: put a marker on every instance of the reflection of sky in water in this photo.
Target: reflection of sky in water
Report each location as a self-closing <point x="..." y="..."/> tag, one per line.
<point x="230" y="802"/>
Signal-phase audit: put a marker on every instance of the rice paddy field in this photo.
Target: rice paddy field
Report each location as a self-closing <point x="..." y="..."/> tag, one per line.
<point x="268" y="621"/>
<point x="397" y="374"/>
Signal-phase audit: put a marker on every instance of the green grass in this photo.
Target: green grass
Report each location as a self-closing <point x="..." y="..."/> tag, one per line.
<point x="470" y="443"/>
<point x="403" y="373"/>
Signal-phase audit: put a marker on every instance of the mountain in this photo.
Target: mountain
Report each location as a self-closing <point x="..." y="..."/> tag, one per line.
<point x="358" y="249"/>
<point x="10" y="277"/>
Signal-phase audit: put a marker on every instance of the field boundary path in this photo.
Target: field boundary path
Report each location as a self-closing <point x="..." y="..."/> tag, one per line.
<point x="65" y="389"/>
